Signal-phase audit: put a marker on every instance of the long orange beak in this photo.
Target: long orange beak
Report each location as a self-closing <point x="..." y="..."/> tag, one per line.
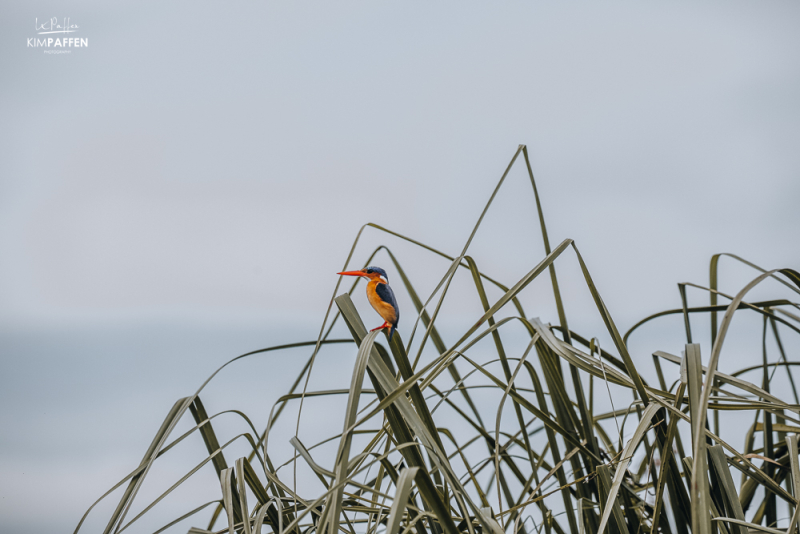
<point x="353" y="273"/>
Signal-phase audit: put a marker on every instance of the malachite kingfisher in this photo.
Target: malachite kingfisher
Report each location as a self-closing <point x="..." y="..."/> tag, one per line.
<point x="381" y="296"/>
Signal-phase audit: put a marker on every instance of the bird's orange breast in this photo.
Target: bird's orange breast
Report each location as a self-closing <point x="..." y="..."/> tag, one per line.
<point x="384" y="309"/>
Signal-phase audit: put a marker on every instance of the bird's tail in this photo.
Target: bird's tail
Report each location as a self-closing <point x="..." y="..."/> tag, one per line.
<point x="391" y="332"/>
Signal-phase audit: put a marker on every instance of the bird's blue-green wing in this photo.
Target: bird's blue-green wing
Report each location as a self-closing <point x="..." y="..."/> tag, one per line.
<point x="387" y="295"/>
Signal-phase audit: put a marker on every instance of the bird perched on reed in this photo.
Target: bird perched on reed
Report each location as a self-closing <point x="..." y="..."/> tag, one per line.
<point x="380" y="295"/>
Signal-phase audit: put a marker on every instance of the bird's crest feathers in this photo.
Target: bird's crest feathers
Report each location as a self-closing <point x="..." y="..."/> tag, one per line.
<point x="378" y="270"/>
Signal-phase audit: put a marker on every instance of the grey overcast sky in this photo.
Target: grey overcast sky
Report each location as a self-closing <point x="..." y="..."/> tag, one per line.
<point x="184" y="188"/>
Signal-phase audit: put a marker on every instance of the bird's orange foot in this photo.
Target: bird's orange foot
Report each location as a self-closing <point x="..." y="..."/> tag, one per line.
<point x="384" y="325"/>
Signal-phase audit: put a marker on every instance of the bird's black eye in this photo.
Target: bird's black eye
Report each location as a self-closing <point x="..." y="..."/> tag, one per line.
<point x="370" y="271"/>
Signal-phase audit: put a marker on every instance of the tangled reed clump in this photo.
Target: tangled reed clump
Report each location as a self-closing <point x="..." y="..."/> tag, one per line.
<point x="437" y="461"/>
